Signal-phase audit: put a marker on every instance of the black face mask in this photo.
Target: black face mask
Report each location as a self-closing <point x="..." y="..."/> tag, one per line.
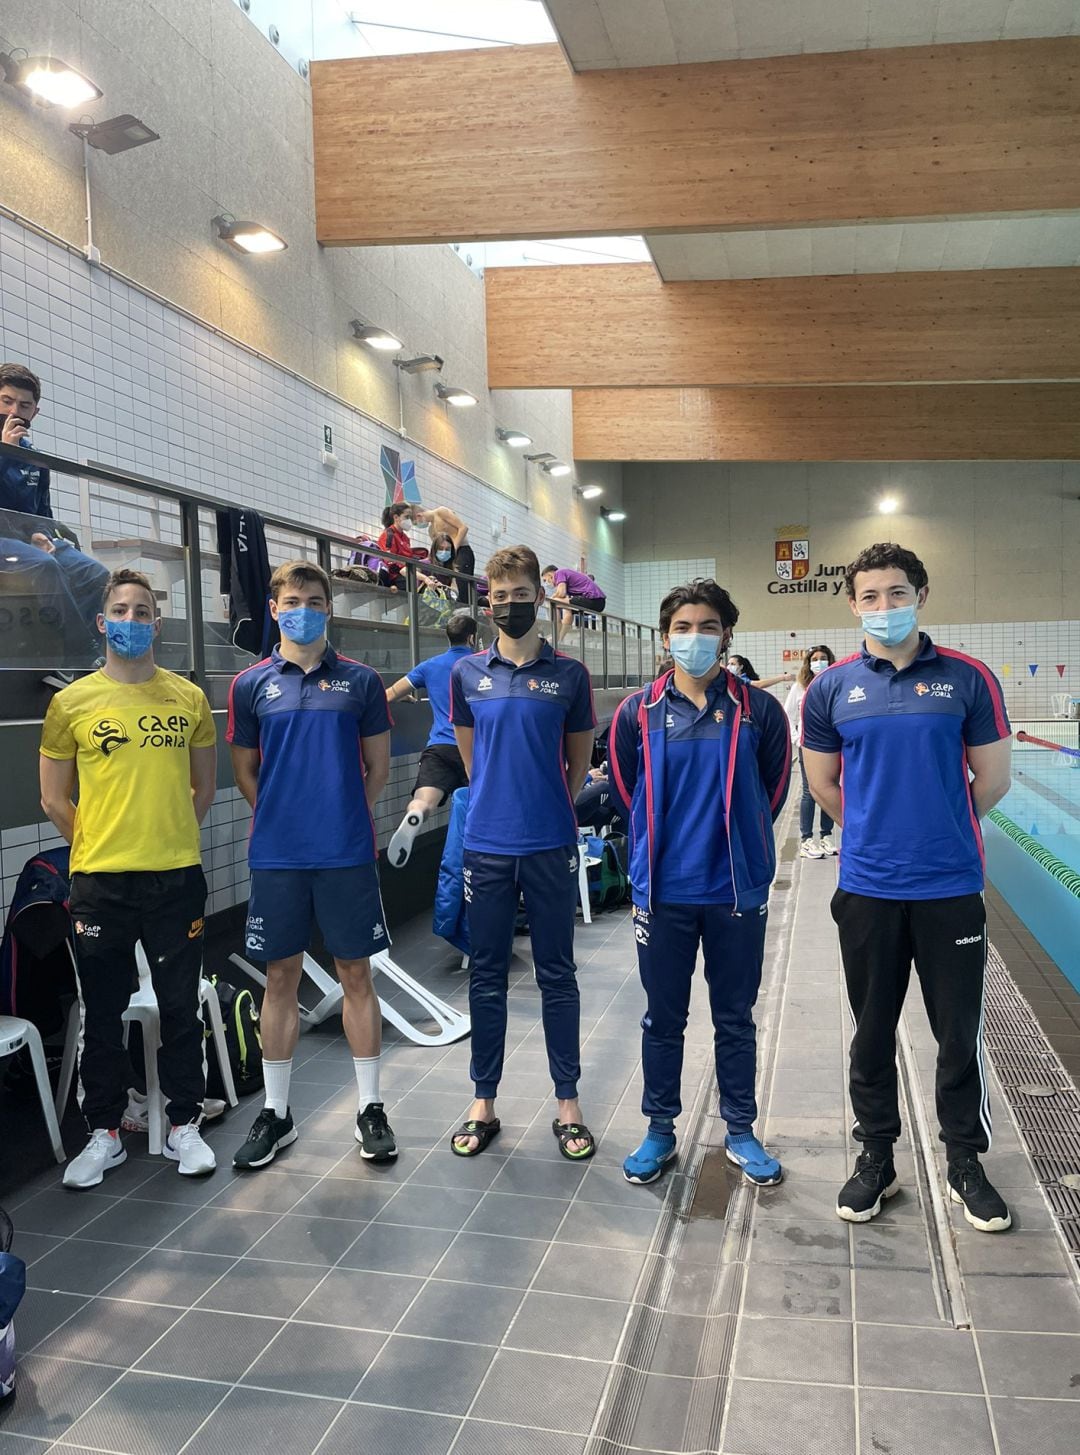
<point x="515" y="618"/>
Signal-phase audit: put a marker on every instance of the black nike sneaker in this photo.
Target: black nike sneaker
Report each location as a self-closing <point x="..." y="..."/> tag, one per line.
<point x="984" y="1207"/>
<point x="863" y="1194"/>
<point x="373" y="1132"/>
<point x="269" y="1133"/>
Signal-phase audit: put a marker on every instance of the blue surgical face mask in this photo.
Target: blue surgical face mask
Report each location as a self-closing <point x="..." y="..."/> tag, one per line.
<point x="443" y="555"/>
<point x="302" y="624"/>
<point x="694" y="652"/>
<point x="818" y="665"/>
<point x="890" y="628"/>
<point x="129" y="639"/>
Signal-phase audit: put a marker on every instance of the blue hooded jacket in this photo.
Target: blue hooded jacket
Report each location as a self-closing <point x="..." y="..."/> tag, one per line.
<point x="24" y="488"/>
<point x="756" y="748"/>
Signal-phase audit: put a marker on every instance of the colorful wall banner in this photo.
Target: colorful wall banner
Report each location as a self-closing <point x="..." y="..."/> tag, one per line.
<point x="1033" y="667"/>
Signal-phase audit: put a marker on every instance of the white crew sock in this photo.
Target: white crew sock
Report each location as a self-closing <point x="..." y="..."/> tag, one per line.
<point x="367" y="1079"/>
<point x="276" y="1085"/>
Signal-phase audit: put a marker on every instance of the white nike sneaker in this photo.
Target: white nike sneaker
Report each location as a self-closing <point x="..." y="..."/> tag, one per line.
<point x="102" y="1153"/>
<point x="186" y="1146"/>
<point x="401" y="845"/>
<point x="828" y="848"/>
<point x="808" y="849"/>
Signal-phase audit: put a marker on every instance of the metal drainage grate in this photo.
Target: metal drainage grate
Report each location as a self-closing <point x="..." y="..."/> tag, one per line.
<point x="1043" y="1097"/>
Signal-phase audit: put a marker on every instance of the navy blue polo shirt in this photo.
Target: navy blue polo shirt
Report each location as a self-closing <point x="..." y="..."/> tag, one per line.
<point x="692" y="862"/>
<point x="519" y="799"/>
<point x="310" y="811"/>
<point x="434" y="677"/>
<point x="910" y="829"/>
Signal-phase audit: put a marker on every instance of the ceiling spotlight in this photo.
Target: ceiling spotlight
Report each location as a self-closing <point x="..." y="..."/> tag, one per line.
<point x="50" y="81"/>
<point x="513" y="437"/>
<point x="248" y="237"/>
<point x="451" y="395"/>
<point x="556" y="467"/>
<point x="615" y="516"/>
<point x="592" y="492"/>
<point x="888" y="505"/>
<point x="539" y="459"/>
<point x="420" y="364"/>
<point x="374" y="337"/>
<point x="117" y="134"/>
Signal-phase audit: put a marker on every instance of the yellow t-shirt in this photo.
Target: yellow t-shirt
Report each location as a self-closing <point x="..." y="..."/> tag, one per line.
<point x="131" y="743"/>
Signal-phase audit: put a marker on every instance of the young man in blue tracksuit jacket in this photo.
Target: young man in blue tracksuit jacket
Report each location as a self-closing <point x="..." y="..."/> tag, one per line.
<point x="701" y="762"/>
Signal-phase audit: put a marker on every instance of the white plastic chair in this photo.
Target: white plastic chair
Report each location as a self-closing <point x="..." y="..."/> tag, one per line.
<point x="14" y="1034"/>
<point x="585" y="860"/>
<point x="143" y="1007"/>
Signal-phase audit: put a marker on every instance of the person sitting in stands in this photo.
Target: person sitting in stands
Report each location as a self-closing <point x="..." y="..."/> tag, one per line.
<point x="576" y="589"/>
<point x="444" y="524"/>
<point x="395" y="519"/>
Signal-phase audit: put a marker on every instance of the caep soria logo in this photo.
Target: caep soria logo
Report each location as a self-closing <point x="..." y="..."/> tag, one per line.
<point x="108" y="734"/>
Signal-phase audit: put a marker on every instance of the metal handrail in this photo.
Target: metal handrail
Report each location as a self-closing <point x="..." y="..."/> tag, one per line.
<point x="191" y="501"/>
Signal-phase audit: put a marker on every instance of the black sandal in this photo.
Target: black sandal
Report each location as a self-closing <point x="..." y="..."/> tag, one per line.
<point x="482" y="1131"/>
<point x="574" y="1132"/>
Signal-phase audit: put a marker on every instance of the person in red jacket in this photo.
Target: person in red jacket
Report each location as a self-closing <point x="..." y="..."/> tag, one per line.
<point x="395" y="519"/>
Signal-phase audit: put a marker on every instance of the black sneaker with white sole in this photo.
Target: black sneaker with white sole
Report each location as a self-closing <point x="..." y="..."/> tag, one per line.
<point x="269" y="1133"/>
<point x="863" y="1194"/>
<point x="984" y="1206"/>
<point x="373" y="1132"/>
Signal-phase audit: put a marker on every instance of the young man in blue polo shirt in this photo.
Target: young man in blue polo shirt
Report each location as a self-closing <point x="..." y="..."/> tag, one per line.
<point x="441" y="769"/>
<point x="523" y="717"/>
<point x="701" y="762"/>
<point x="310" y="736"/>
<point x="920" y="736"/>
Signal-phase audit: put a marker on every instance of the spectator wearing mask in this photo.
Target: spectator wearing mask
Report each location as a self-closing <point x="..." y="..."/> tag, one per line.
<point x="444" y="524"/>
<point x="576" y="589"/>
<point x="815" y="661"/>
<point x="396" y="520"/>
<point x="743" y="667"/>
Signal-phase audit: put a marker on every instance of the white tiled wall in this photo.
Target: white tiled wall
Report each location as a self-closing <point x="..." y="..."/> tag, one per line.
<point x="647" y="582"/>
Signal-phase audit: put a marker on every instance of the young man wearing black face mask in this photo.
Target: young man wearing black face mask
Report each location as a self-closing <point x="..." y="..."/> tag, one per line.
<point x="523" y="719"/>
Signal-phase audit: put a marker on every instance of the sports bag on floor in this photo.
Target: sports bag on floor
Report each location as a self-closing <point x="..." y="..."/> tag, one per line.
<point x="12" y="1288"/>
<point x="609" y="882"/>
<point x="240" y="1016"/>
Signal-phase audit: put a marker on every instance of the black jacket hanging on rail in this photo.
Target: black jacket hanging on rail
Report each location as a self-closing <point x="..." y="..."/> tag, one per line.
<point x="245" y="580"/>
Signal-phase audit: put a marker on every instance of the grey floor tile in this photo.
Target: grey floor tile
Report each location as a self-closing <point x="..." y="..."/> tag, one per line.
<point x="210" y="1345"/>
<point x="441" y="1168"/>
<point x="685" y="1345"/>
<point x="52" y="1394"/>
<point x="583" y="1328"/>
<point x="452" y="1374"/>
<point x="1045" y="1305"/>
<point x="478" y="1437"/>
<point x="775" y="1419"/>
<point x="569" y="1269"/>
<point x="892" y="1356"/>
<point x="41" y="1311"/>
<point x="220" y="1230"/>
<point x="166" y="1185"/>
<point x="393" y="1249"/>
<point x="105" y="1332"/>
<point x="32" y="1247"/>
<point x="797" y="1198"/>
<point x="430" y="1207"/>
<point x="799" y="1350"/>
<point x="276" y="1192"/>
<point x="484" y="1258"/>
<point x="530" y="1177"/>
<point x="695" y="1290"/>
<point x="676" y="1414"/>
<point x="297" y="1239"/>
<point x="1019" y="1253"/>
<point x="890" y="1245"/>
<point x="360" y="1299"/>
<point x="62" y="1212"/>
<point x="519" y="1217"/>
<point x="164" y="1275"/>
<point x="1046" y="1366"/>
<point x="788" y="1290"/>
<point x="446" y="1310"/>
<point x="775" y="1241"/>
<point x="1025" y="1426"/>
<point x="136" y="1222"/>
<point x="345" y="1197"/>
<point x="911" y="1424"/>
<point x="307" y="1359"/>
<point x="78" y="1267"/>
<point x="893" y="1296"/>
<point x="541" y="1390"/>
<point x="254" y="1285"/>
<point x="146" y="1415"/>
<point x="250" y="1422"/>
<point x="603" y="1183"/>
<point x="370" y="1428"/>
<point x="807" y="1131"/>
<point x="603" y="1225"/>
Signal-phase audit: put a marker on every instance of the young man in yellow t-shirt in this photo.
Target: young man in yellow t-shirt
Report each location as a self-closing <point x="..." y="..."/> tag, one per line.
<point x="141" y="743"/>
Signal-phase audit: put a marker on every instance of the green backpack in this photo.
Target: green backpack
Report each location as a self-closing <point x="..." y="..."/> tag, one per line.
<point x="240" y="1017"/>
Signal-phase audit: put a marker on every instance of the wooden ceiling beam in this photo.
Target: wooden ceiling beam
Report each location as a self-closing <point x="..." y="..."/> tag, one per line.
<point x="619" y="326"/>
<point x="509" y="143"/>
<point x="905" y="422"/>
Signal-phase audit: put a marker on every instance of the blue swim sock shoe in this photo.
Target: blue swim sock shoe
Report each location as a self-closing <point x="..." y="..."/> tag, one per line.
<point x="647" y="1163"/>
<point x="758" y="1166"/>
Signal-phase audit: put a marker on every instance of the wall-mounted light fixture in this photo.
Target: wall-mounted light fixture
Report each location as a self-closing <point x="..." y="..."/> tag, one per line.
<point x="539" y="458"/>
<point x="419" y="364"/>
<point x="514" y="438"/>
<point x="49" y="80"/>
<point x="557" y="468"/>
<point x="591" y="492"/>
<point x="614" y="516"/>
<point x="460" y="398"/>
<point x="888" y="505"/>
<point x="247" y="237"/>
<point x="117" y="134"/>
<point x="375" y="337"/>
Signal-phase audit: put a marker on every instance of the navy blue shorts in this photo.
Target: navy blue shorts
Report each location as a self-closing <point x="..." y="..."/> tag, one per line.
<point x="346" y="903"/>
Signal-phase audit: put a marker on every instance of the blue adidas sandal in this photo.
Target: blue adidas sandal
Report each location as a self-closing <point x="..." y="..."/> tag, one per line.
<point x="757" y="1165"/>
<point x="650" y="1159"/>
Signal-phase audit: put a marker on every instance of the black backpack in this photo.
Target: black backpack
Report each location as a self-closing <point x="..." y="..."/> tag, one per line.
<point x="240" y="1016"/>
<point x="609" y="881"/>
